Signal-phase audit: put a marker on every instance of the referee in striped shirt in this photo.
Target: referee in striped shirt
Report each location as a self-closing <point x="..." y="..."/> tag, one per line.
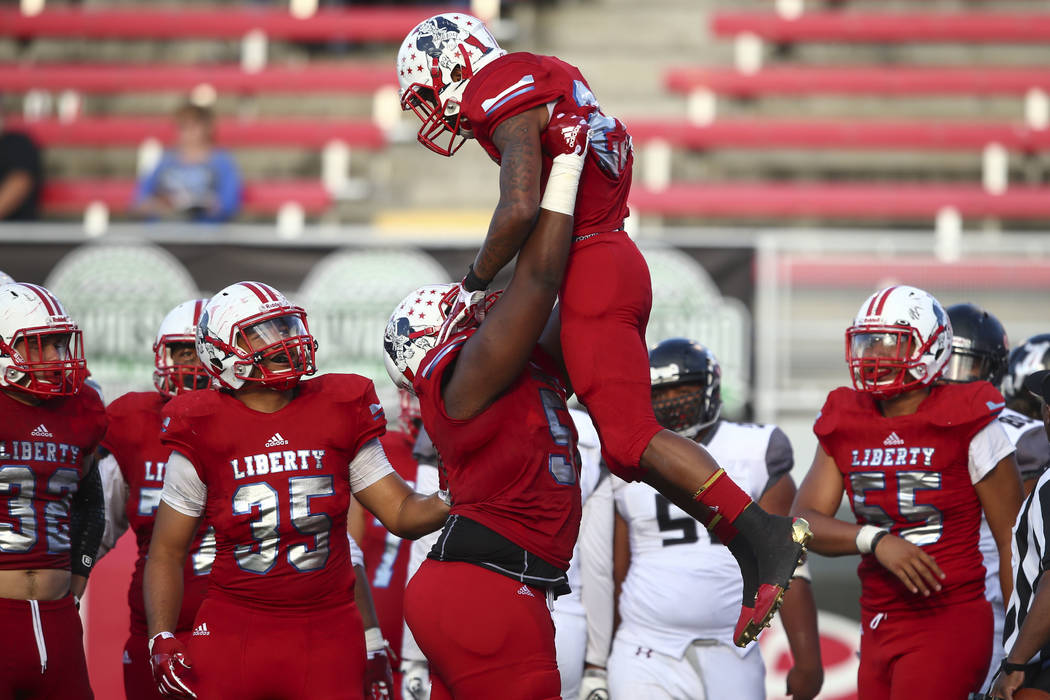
<point x="1025" y="672"/>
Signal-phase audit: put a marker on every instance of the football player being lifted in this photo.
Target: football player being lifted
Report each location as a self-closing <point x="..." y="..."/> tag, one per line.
<point x="132" y="469"/>
<point x="679" y="586"/>
<point x="270" y="461"/>
<point x="919" y="461"/>
<point x="461" y="84"/>
<point x="51" y="503"/>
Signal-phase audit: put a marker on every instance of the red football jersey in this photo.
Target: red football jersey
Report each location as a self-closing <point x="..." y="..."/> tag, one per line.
<point x="386" y="554"/>
<point x="520" y="81"/>
<point x="134" y="440"/>
<point x="278" y="487"/>
<point x="910" y="474"/>
<point x="41" y="453"/>
<point x="514" y="467"/>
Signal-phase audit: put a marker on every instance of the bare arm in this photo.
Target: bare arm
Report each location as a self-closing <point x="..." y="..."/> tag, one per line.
<point x="817" y="501"/>
<point x="363" y="598"/>
<point x="521" y="162"/>
<point x="13" y="191"/>
<point x="402" y="511"/>
<point x="799" y="612"/>
<point x="162" y="585"/>
<point x="1001" y="494"/>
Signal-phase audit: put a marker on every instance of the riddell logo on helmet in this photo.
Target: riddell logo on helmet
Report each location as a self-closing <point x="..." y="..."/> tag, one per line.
<point x="270" y="305"/>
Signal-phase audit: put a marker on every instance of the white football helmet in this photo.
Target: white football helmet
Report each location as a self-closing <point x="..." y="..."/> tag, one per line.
<point x="41" y="348"/>
<point x="900" y="340"/>
<point x="435" y="62"/>
<point x="412" y="331"/>
<point x="249" y="332"/>
<point x="6" y="278"/>
<point x="178" y="327"/>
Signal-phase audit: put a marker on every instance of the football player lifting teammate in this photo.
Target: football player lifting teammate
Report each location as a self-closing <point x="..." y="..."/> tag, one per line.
<point x="461" y="84"/>
<point x="132" y="469"/>
<point x="492" y="398"/>
<point x="51" y="503"/>
<point x="270" y="462"/>
<point x="920" y="461"/>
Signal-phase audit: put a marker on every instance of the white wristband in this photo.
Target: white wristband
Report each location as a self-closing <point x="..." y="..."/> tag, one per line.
<point x="562" y="183"/>
<point x="866" y="536"/>
<point x="374" y="639"/>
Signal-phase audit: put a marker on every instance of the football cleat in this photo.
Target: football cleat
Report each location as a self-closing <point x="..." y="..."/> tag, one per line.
<point x="780" y="566"/>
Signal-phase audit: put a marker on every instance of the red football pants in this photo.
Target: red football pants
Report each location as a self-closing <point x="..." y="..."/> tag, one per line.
<point x="52" y="633"/>
<point x="485" y="635"/>
<point x="939" y="653"/>
<point x="605" y="303"/>
<point x="249" y="654"/>
<point x="138" y="675"/>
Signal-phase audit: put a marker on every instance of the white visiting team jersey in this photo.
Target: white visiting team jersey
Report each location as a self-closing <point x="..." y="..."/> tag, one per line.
<point x="681" y="586"/>
<point x="1033" y="451"/>
<point x="590" y="473"/>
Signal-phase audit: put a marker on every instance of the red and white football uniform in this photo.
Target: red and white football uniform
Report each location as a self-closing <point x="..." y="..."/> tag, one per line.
<point x="914" y="475"/>
<point x="42" y="449"/>
<point x="386" y="554"/>
<point x="606" y="294"/>
<point x="133" y="475"/>
<point x="513" y="476"/>
<point x="276" y="487"/>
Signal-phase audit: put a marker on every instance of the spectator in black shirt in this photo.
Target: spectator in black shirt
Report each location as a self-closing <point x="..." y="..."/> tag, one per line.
<point x="21" y="177"/>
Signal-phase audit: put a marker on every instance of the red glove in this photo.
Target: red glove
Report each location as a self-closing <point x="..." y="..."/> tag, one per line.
<point x="466" y="308"/>
<point x="379" y="678"/>
<point x="566" y="134"/>
<point x="166" y="655"/>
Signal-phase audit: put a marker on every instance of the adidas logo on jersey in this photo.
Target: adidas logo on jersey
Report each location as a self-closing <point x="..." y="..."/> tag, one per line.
<point x="201" y="630"/>
<point x="524" y="590"/>
<point x="41" y="431"/>
<point x="127" y="657"/>
<point x="893" y="439"/>
<point x="276" y="441"/>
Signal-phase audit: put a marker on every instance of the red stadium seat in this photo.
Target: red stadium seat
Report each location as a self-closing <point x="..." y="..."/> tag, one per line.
<point x="839" y="134"/>
<point x="859" y="80"/>
<point x="892" y="27"/>
<point x="72" y="196"/>
<point x="382" y="24"/>
<point x="230" y="133"/>
<point x="905" y="202"/>
<point x="117" y="78"/>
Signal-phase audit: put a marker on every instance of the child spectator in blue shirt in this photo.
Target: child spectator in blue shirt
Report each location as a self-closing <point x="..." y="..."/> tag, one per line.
<point x="193" y="181"/>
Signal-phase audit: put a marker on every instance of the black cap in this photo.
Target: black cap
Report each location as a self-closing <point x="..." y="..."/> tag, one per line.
<point x="1039" y="384"/>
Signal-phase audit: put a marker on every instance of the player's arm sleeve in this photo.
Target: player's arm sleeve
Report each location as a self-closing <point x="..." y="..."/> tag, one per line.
<point x="183" y="489"/>
<point x="780" y="458"/>
<point x="357" y="557"/>
<point x="427" y="480"/>
<point x="987" y="448"/>
<point x="368" y="466"/>
<point x="115" y="493"/>
<point x="1033" y="452"/>
<point x="596" y="577"/>
<point x="87" y="520"/>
